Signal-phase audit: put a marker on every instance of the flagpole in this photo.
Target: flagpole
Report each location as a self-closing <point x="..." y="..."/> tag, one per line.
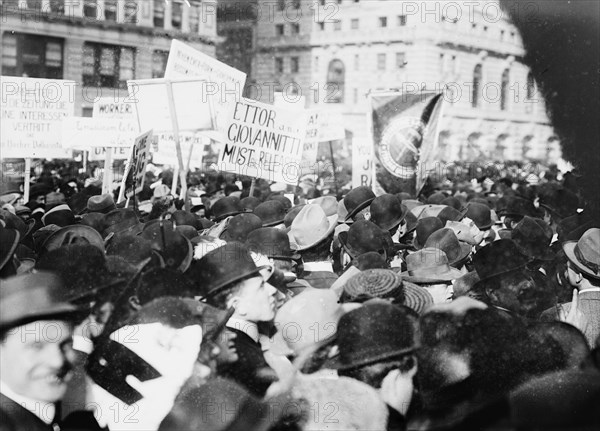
<point x="337" y="189"/>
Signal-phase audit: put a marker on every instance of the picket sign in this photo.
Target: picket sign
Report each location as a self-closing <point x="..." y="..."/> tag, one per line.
<point x="136" y="164"/>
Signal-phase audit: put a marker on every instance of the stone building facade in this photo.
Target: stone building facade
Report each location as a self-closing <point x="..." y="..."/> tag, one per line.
<point x="100" y="44"/>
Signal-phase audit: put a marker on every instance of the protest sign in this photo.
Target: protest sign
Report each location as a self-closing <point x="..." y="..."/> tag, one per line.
<point x="224" y="83"/>
<point x="362" y="162"/>
<point x="113" y="107"/>
<point x="192" y="149"/>
<point x="264" y="141"/>
<point x="133" y="177"/>
<point x="84" y="133"/>
<point x="31" y="113"/>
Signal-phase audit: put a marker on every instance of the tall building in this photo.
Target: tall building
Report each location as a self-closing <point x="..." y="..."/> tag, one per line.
<point x="100" y="44"/>
<point x="336" y="51"/>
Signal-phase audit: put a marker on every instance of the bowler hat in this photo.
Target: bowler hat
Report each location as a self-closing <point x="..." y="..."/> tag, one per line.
<point x="271" y="213"/>
<point x="78" y="202"/>
<point x="532" y="237"/>
<point x="271" y="242"/>
<point x="453" y="202"/>
<point x="225" y="207"/>
<point x="363" y="237"/>
<point x="287" y="204"/>
<point x="132" y="249"/>
<point x="74" y="234"/>
<point x="185" y="218"/>
<point x="93" y="220"/>
<point x="175" y="249"/>
<point x="445" y="239"/>
<point x="519" y="207"/>
<point x="429" y="266"/>
<point x="425" y="227"/>
<point x="121" y="220"/>
<point x="101" y="204"/>
<point x="498" y="258"/>
<point x="450" y="214"/>
<point x="357" y="199"/>
<point x="239" y="226"/>
<point x="375" y="332"/>
<point x="387" y="211"/>
<point x="60" y="215"/>
<point x="30" y="297"/>
<point x="436" y="198"/>
<point x="38" y="189"/>
<point x="249" y="203"/>
<point x="480" y="214"/>
<point x="386" y="284"/>
<point x="291" y="215"/>
<point x="585" y="253"/>
<point x="222" y="268"/>
<point x="310" y="227"/>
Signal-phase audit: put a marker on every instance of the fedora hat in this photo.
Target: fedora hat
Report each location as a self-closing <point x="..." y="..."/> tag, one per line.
<point x="428" y="210"/>
<point x="428" y="266"/>
<point x="30" y="297"/>
<point x="249" y="203"/>
<point x="287" y="204"/>
<point x="78" y="202"/>
<point x="310" y="227"/>
<point x="60" y="215"/>
<point x="291" y="215"/>
<point x="74" y="234"/>
<point x="271" y="242"/>
<point x="225" y="207"/>
<point x="585" y="253"/>
<point x="9" y="239"/>
<point x="222" y="268"/>
<point x="411" y="204"/>
<point x="519" y="207"/>
<point x="386" y="284"/>
<point x="271" y="213"/>
<point x="122" y="220"/>
<point x="532" y="237"/>
<point x="101" y="204"/>
<point x="295" y="318"/>
<point x="185" y="218"/>
<point x="411" y="224"/>
<point x="357" y="199"/>
<point x="175" y="249"/>
<point x="469" y="234"/>
<point x="375" y="332"/>
<point x="480" y="214"/>
<point x="498" y="258"/>
<point x="239" y="226"/>
<point x="425" y="227"/>
<point x="363" y="237"/>
<point x="450" y="214"/>
<point x="445" y="239"/>
<point x="12" y="221"/>
<point x="387" y="211"/>
<point x="328" y="203"/>
<point x="93" y="220"/>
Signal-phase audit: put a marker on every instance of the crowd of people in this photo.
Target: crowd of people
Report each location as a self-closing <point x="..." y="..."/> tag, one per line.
<point x="475" y="306"/>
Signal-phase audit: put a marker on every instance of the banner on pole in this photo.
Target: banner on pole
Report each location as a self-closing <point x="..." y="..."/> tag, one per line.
<point x="404" y="127"/>
<point x="223" y="83"/>
<point x="135" y="169"/>
<point x="32" y="110"/>
<point x="264" y="141"/>
<point x="84" y="133"/>
<point x="362" y="162"/>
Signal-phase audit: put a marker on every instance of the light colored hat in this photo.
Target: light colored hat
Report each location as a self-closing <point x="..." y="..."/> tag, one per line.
<point x="310" y="227"/>
<point x="585" y="253"/>
<point x="429" y="265"/>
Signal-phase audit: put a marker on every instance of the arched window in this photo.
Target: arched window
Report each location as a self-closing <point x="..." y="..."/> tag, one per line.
<point x="335" y="82"/>
<point x="477" y="77"/>
<point x="504" y="89"/>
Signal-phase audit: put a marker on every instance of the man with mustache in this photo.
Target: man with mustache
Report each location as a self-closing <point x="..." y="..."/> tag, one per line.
<point x="36" y="329"/>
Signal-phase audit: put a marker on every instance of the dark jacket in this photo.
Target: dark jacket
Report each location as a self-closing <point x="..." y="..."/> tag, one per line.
<point x="14" y="417"/>
<point x="250" y="370"/>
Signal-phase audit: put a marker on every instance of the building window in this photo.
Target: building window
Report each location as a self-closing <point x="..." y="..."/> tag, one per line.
<point x="159" y="63"/>
<point x="159" y="13"/>
<point x="194" y="19"/>
<point x="279" y="30"/>
<point x="176" y="15"/>
<point x="335" y="82"/>
<point x="57" y="6"/>
<point x="337" y="25"/>
<point x="32" y="56"/>
<point x="131" y="9"/>
<point x="401" y="20"/>
<point x="107" y="65"/>
<point x="400" y="60"/>
<point x="279" y="64"/>
<point x="383" y="21"/>
<point x="316" y="64"/>
<point x="110" y="10"/>
<point x="34" y="4"/>
<point x="381" y="61"/>
<point x="356" y="62"/>
<point x="295" y="28"/>
<point x="354" y="24"/>
<point x="295" y="64"/>
<point x="90" y="9"/>
<point x="477" y="77"/>
<point x="504" y="90"/>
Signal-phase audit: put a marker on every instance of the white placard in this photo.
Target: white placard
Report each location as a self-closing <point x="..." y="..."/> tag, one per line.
<point x="263" y="141"/>
<point x="362" y="162"/>
<point x="84" y="133"/>
<point x="166" y="152"/>
<point x="32" y="111"/>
